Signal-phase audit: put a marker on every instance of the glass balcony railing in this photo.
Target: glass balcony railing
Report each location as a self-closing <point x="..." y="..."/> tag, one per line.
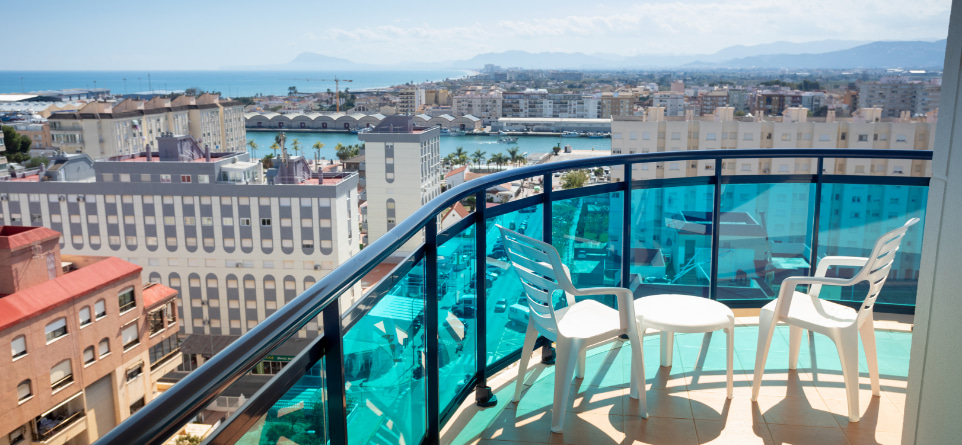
<point x="394" y="366"/>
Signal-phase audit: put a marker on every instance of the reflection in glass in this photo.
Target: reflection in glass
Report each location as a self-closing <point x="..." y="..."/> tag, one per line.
<point x="457" y="303"/>
<point x="300" y="416"/>
<point x="587" y="233"/>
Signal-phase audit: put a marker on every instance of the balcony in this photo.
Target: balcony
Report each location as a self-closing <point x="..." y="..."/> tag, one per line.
<point x="409" y="359"/>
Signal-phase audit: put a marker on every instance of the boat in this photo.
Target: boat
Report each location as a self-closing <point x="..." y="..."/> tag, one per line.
<point x="445" y="132"/>
<point x="570" y="134"/>
<point x="596" y="135"/>
<point x="507" y="140"/>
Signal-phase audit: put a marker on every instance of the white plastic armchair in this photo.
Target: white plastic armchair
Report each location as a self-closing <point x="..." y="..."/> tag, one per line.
<point x="574" y="327"/>
<point x="841" y="323"/>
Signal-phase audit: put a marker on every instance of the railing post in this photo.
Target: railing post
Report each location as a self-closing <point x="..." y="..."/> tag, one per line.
<point x="626" y="229"/>
<point x="813" y="257"/>
<point x="433" y="433"/>
<point x="547" y="352"/>
<point x="334" y="372"/>
<point x="715" y="224"/>
<point x="483" y="395"/>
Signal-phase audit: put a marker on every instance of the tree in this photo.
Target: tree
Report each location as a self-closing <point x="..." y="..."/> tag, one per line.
<point x="599" y="172"/>
<point x="318" y="146"/>
<point x="556" y="149"/>
<point x="17" y="145"/>
<point x="189" y="439"/>
<point x="36" y="161"/>
<point x="821" y="111"/>
<point x="345" y="152"/>
<point x="275" y="146"/>
<point x="574" y="179"/>
<point x="268" y="162"/>
<point x="253" y="146"/>
<point x="478" y="157"/>
<point x="809" y="85"/>
<point x="514" y="156"/>
<point x="499" y="160"/>
<point x="291" y="91"/>
<point x="296" y="146"/>
<point x="460" y="156"/>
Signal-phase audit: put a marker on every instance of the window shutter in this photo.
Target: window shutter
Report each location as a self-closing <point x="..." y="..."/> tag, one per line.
<point x="129" y="334"/>
<point x="19" y="345"/>
<point x="23" y="390"/>
<point x="56" y="324"/>
<point x="88" y="355"/>
<point x="60" y="371"/>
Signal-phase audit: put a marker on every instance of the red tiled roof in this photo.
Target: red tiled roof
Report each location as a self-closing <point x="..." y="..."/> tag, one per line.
<point x="15" y="237"/>
<point x="157" y="293"/>
<point x="41" y="298"/>
<point x="472" y="175"/>
<point x="455" y="171"/>
<point x="31" y="178"/>
<point x="462" y="211"/>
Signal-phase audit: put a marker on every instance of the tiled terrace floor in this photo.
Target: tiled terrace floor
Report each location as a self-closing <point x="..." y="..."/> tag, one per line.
<point x="687" y="403"/>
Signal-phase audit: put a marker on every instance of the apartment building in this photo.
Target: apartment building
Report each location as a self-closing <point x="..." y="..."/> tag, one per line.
<point x="88" y="340"/>
<point x="403" y="164"/>
<point x="707" y="103"/>
<point x="38" y="132"/>
<point x="409" y="101"/>
<point x="773" y="103"/>
<point x="235" y="242"/>
<point x="484" y="105"/>
<point x="619" y="103"/>
<point x="539" y="103"/>
<point x="106" y="129"/>
<point x="895" y="97"/>
<point x="673" y="103"/>
<point x="657" y="133"/>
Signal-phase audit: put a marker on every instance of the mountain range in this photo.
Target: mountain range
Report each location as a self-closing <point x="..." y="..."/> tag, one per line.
<point x="827" y="54"/>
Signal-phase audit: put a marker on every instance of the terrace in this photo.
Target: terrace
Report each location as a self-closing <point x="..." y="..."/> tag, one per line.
<point x="408" y="362"/>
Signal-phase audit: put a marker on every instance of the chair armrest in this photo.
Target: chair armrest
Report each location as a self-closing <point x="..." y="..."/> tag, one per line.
<point x="829" y="261"/>
<point x="626" y="301"/>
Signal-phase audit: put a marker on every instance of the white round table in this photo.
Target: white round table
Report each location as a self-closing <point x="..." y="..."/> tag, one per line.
<point x="671" y="313"/>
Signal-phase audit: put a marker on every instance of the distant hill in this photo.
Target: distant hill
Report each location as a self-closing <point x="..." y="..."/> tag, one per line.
<point x="837" y="54"/>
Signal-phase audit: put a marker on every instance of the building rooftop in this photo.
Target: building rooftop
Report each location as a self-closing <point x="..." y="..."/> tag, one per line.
<point x="17" y="237"/>
<point x="36" y="300"/>
<point x="156" y="293"/>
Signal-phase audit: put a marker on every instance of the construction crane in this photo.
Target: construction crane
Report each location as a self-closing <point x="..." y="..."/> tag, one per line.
<point x="337" y="88"/>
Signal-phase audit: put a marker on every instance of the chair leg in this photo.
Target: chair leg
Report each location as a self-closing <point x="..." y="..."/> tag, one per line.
<point x="847" y="343"/>
<point x="530" y="336"/>
<point x="582" y="358"/>
<point x="867" y="332"/>
<point x="730" y="337"/>
<point x="637" y="378"/>
<point x="568" y="352"/>
<point x="794" y="345"/>
<point x="766" y="329"/>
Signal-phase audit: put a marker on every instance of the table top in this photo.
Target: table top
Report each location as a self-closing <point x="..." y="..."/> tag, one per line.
<point x="683" y="313"/>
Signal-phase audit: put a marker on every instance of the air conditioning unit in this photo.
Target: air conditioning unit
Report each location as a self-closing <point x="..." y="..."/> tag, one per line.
<point x="80" y="198"/>
<point x="3" y="196"/>
<point x="239" y="265"/>
<point x="765" y="170"/>
<point x="318" y="267"/>
<point x="62" y="198"/>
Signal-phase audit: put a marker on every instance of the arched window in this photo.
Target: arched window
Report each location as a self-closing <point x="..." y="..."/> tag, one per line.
<point x="100" y="309"/>
<point x="89" y="355"/>
<point x="104" y="347"/>
<point x="19" y="346"/>
<point x="23" y="390"/>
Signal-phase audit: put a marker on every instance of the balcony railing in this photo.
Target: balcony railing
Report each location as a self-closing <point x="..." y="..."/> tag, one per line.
<point x="48" y="431"/>
<point x="421" y="341"/>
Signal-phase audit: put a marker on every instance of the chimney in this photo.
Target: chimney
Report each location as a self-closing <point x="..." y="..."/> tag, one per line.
<point x="207" y="152"/>
<point x="149" y="154"/>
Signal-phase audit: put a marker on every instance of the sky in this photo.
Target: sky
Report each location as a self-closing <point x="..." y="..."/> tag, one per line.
<point x="204" y="35"/>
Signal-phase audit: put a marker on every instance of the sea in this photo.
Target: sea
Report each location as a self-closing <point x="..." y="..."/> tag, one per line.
<point x="228" y="83"/>
<point x="487" y="144"/>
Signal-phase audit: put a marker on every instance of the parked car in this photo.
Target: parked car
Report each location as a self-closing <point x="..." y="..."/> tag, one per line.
<point x="501" y="305"/>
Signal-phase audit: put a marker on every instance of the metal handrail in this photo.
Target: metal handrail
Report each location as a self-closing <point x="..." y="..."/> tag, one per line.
<point x="165" y="415"/>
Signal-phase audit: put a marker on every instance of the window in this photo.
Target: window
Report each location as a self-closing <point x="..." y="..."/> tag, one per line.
<point x="19" y="346"/>
<point x="824" y="137"/>
<point x="203" y="179"/>
<point x="710" y="136"/>
<point x="89" y="355"/>
<point x="227" y="221"/>
<point x="245" y="221"/>
<point x="84" y="316"/>
<point x="675" y="136"/>
<point x="135" y="371"/>
<point x="189" y="220"/>
<point x="169" y="220"/>
<point x="61" y="375"/>
<point x="126" y="299"/>
<point x="129" y="336"/>
<point x="863" y="138"/>
<point x="56" y="329"/>
<point x="100" y="309"/>
<point x="645" y="136"/>
<point x="184" y="178"/>
<point x="308" y="244"/>
<point x="207" y="221"/>
<point x="748" y="137"/>
<point x="843" y="136"/>
<point x="267" y="243"/>
<point x="165" y="179"/>
<point x="23" y="390"/>
<point x="746" y="167"/>
<point x="285" y="222"/>
<point x="900" y="138"/>
<point x="265" y="222"/>
<point x="136" y="406"/>
<point x="163" y="349"/>
<point x="124" y="177"/>
<point x="103" y="348"/>
<point x="156" y="321"/>
<point x="786" y="137"/>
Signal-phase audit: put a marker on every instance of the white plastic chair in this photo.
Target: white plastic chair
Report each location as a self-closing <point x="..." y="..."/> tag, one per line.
<point x="840" y="323"/>
<point x="575" y="327"/>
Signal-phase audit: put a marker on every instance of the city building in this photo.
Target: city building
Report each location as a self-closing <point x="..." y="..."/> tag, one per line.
<point x="896" y="96"/>
<point x="89" y="340"/>
<point x="234" y="241"/>
<point x="106" y="129"/>
<point x="38" y="132"/>
<point x="484" y="105"/>
<point x="706" y="103"/>
<point x="657" y="133"/>
<point x="409" y="101"/>
<point x="738" y="99"/>
<point x="617" y="103"/>
<point x="678" y="86"/>
<point x="672" y="102"/>
<point x="403" y="164"/>
<point x="772" y="103"/>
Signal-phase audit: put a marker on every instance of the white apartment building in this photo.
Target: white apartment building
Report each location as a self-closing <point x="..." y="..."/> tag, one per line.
<point x="403" y="172"/>
<point x="896" y="96"/>
<point x="105" y="129"/>
<point x="410" y="101"/>
<point x="234" y="247"/>
<point x="657" y="133"/>
<point x="486" y="106"/>
<point x="672" y="102"/>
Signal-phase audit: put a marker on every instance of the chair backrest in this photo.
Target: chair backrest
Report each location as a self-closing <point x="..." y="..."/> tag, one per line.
<point x="541" y="272"/>
<point x="876" y="270"/>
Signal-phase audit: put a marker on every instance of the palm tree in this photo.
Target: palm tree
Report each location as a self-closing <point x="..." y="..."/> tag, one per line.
<point x="253" y="147"/>
<point x="275" y="146"/>
<point x="296" y="146"/>
<point x="318" y="146"/>
<point x="498" y="159"/>
<point x="478" y="157"/>
<point x="513" y="155"/>
<point x="449" y="160"/>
